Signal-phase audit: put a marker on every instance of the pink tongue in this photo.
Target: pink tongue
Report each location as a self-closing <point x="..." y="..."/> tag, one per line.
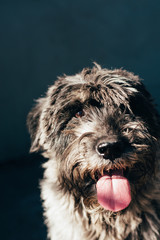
<point x="113" y="191"/>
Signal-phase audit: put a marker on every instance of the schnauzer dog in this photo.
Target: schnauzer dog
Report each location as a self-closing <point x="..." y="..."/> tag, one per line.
<point x="100" y="131"/>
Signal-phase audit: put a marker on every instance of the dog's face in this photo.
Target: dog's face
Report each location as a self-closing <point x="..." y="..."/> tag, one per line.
<point x="94" y="124"/>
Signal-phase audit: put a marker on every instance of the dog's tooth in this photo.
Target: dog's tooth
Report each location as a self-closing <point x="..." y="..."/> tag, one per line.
<point x="119" y="166"/>
<point x="93" y="175"/>
<point x="102" y="171"/>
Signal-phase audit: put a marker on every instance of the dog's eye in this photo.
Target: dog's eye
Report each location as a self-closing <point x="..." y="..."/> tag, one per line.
<point x="79" y="114"/>
<point x="124" y="109"/>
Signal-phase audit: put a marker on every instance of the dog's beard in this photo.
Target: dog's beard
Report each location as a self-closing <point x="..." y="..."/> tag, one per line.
<point x="81" y="168"/>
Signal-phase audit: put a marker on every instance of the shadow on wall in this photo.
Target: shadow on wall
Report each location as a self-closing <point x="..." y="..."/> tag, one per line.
<point x="21" y="211"/>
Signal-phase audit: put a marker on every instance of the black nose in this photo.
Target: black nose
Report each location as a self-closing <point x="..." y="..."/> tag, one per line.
<point x="111" y="150"/>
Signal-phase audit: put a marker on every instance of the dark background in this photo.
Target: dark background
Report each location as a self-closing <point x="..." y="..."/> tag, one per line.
<point x="40" y="40"/>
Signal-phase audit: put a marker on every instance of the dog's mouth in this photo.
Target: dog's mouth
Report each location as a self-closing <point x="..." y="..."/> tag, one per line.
<point x="113" y="189"/>
<point x="96" y="175"/>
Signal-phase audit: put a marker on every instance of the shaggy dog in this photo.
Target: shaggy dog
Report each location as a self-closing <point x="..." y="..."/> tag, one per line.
<point x="100" y="131"/>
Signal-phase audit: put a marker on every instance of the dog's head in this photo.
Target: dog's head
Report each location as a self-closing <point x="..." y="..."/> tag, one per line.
<point x="98" y="125"/>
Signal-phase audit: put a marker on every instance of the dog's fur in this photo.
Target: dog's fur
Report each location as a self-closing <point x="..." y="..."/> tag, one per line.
<point x="77" y="113"/>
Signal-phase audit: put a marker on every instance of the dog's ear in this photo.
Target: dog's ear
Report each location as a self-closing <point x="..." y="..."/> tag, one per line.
<point x="33" y="122"/>
<point x="39" y="119"/>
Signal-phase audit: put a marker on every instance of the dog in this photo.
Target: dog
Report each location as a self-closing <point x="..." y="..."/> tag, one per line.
<point x="99" y="130"/>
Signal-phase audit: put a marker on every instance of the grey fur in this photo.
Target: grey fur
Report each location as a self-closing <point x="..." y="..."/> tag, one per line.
<point x="76" y="114"/>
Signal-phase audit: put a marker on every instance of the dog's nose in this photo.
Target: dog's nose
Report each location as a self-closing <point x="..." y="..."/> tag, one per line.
<point x="111" y="150"/>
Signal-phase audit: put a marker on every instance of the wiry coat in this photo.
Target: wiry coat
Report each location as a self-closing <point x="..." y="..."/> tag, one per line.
<point x="66" y="125"/>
